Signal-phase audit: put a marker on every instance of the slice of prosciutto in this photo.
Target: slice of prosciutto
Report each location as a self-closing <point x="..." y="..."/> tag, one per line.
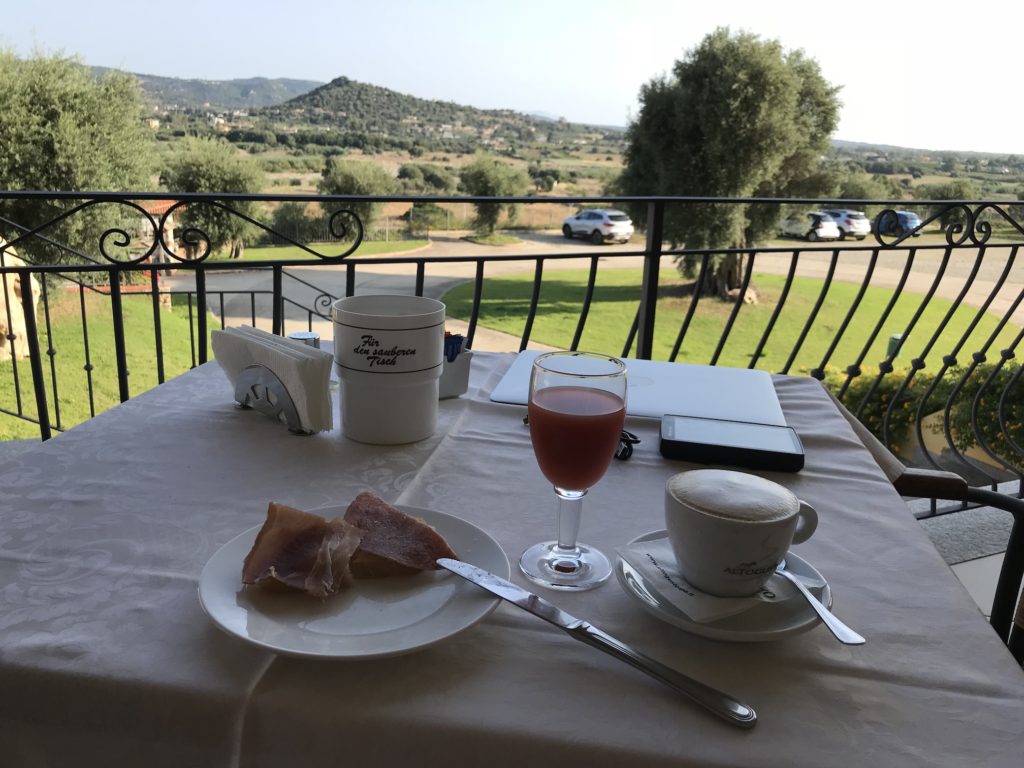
<point x="393" y="542"/>
<point x="302" y="550"/>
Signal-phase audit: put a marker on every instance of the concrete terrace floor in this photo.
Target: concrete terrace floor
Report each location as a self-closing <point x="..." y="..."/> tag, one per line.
<point x="979" y="579"/>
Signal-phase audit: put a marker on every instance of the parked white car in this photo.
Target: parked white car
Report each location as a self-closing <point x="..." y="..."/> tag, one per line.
<point x="599" y="225"/>
<point x="816" y="225"/>
<point x="851" y="223"/>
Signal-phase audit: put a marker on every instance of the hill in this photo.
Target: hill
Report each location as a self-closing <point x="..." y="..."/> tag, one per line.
<point x="867" y="147"/>
<point x="349" y="106"/>
<point x="262" y="114"/>
<point x="173" y="93"/>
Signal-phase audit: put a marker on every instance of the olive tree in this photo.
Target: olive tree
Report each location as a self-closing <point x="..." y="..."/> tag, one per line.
<point x="954" y="189"/>
<point x="212" y="166"/>
<point x="63" y="129"/>
<point x="486" y="177"/>
<point x="302" y="222"/>
<point x="351" y="177"/>
<point x="861" y="186"/>
<point x="425" y="177"/>
<point x="737" y="117"/>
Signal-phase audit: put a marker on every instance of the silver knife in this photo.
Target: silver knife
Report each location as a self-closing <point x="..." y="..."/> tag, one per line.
<point x="721" y="704"/>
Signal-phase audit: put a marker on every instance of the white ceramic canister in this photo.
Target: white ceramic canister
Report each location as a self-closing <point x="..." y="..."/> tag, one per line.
<point x="389" y="351"/>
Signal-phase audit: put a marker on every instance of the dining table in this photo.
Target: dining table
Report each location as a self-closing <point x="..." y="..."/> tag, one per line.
<point x="107" y="656"/>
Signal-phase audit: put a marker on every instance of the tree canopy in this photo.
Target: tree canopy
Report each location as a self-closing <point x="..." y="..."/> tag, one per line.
<point x="213" y="165"/>
<point x="737" y="117"/>
<point x="861" y="186"/>
<point x="301" y="222"/>
<point x="425" y="177"/>
<point x="63" y="129"/>
<point x="954" y="189"/>
<point x="350" y="177"/>
<point x="486" y="177"/>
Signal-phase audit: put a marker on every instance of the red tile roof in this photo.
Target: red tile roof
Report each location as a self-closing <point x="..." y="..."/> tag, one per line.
<point x="156" y="207"/>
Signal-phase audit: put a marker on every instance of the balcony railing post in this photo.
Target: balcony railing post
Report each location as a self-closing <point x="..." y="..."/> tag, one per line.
<point x="35" y="357"/>
<point x="277" y="312"/>
<point x="120" y="351"/>
<point x="201" y="314"/>
<point x="791" y="339"/>
<point x="649" y="285"/>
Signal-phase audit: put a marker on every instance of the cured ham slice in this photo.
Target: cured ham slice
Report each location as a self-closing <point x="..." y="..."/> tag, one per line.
<point x="302" y="550"/>
<point x="393" y="542"/>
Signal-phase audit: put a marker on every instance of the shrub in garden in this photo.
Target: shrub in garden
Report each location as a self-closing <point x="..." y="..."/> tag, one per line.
<point x="973" y="404"/>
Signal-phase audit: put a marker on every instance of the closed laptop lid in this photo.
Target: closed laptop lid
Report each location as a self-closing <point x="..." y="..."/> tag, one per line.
<point x="658" y="387"/>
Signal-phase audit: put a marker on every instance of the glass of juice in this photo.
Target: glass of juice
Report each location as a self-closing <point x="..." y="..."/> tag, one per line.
<point x="577" y="409"/>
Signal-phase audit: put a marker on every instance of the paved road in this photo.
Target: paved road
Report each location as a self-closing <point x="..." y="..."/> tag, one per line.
<point x="441" y="277"/>
<point x="389" y="278"/>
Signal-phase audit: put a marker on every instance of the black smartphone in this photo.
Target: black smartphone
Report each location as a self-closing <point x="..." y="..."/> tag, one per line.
<point x="736" y="443"/>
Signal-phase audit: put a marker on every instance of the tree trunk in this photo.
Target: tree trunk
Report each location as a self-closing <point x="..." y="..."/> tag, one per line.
<point x="728" y="274"/>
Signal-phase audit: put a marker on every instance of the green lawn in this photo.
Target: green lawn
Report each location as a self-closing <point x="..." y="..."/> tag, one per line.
<point x="68" y="341"/>
<point x="506" y="301"/>
<point x="504" y="306"/>
<point x="73" y="403"/>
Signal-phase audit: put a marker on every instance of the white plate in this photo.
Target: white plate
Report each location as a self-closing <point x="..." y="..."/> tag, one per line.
<point x="768" y="621"/>
<point x="373" y="618"/>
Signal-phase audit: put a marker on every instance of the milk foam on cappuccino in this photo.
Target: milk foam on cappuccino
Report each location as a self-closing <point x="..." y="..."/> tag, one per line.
<point x="733" y="495"/>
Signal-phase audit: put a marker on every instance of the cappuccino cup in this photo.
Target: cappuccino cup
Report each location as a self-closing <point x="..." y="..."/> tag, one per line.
<point x="730" y="530"/>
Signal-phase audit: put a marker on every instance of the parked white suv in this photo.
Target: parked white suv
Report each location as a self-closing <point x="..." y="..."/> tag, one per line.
<point x="815" y="225"/>
<point x="850" y="223"/>
<point x="599" y="225"/>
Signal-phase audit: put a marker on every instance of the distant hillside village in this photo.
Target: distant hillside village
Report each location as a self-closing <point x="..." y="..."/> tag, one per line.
<point x="302" y="116"/>
<point x="347" y="113"/>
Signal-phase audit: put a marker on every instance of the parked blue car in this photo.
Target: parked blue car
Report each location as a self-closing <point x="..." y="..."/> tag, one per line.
<point x="902" y="223"/>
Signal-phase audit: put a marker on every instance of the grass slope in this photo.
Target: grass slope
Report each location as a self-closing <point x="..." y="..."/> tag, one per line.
<point x="505" y="304"/>
<point x="504" y="307"/>
<point x="67" y="337"/>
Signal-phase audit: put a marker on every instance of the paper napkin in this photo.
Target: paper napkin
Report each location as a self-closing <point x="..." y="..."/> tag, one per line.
<point x="305" y="371"/>
<point x="655" y="561"/>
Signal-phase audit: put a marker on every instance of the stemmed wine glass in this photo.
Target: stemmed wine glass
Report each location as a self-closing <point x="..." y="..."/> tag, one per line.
<point x="577" y="408"/>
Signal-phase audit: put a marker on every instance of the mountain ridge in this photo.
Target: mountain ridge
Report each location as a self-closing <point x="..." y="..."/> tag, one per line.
<point x="201" y="93"/>
<point x="356" y="108"/>
<point x="365" y="106"/>
<point x="277" y="97"/>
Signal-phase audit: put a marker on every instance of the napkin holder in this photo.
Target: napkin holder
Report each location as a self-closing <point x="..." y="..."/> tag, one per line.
<point x="258" y="388"/>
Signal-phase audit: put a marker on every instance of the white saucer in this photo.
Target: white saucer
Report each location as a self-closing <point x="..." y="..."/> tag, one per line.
<point x="768" y="621"/>
<point x="372" y="618"/>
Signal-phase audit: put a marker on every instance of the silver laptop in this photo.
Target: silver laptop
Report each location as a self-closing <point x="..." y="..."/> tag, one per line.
<point x="657" y="388"/>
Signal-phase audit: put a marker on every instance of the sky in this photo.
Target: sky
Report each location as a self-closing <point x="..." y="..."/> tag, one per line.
<point x="928" y="75"/>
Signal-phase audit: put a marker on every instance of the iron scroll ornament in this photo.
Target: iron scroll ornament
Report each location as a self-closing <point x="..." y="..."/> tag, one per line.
<point x="970" y="225"/>
<point x="322" y="304"/>
<point x="336" y="227"/>
<point x="114" y="243"/>
<point x="112" y="237"/>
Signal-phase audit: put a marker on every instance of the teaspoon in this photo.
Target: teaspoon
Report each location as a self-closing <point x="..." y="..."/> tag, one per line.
<point x="842" y="632"/>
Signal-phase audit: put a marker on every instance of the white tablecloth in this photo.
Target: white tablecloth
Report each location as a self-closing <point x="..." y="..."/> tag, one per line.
<point x="106" y="657"/>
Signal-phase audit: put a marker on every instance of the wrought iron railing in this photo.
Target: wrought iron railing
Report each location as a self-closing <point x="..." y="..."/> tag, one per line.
<point x="947" y="307"/>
